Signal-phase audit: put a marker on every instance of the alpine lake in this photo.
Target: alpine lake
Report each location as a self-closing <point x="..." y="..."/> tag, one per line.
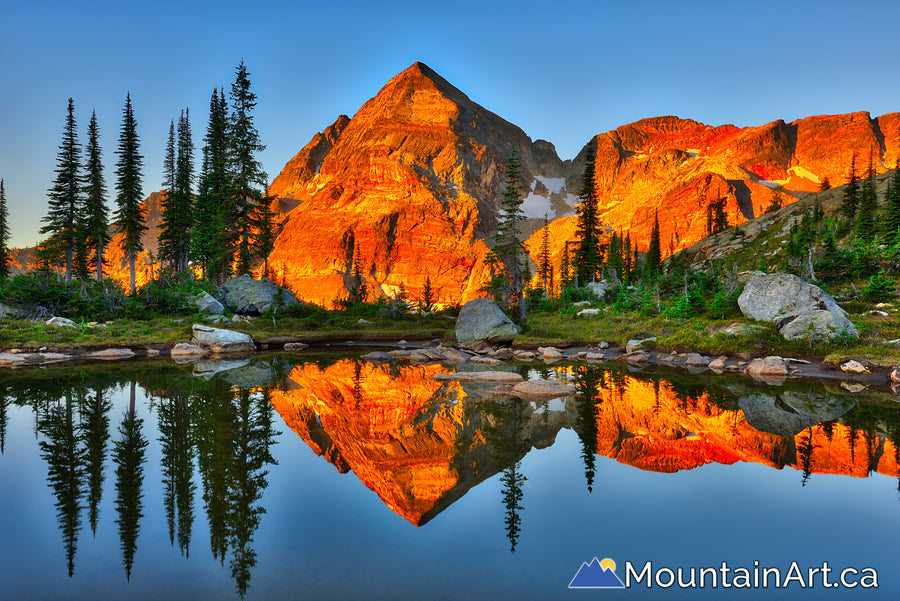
<point x="318" y="475"/>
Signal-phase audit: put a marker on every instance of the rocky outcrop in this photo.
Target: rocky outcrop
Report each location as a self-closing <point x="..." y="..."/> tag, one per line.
<point x="482" y="319"/>
<point x="248" y="296"/>
<point x="798" y="309"/>
<point x="207" y="303"/>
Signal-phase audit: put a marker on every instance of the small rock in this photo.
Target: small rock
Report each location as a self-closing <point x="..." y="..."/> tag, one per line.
<point x="503" y="377"/>
<point x="112" y="354"/>
<point x="633" y="345"/>
<point x="717" y="364"/>
<point x="376" y="357"/>
<point x="295" y="346"/>
<point x="523" y="355"/>
<point x="603" y="345"/>
<point x="883" y="305"/>
<point x="696" y="360"/>
<point x="581" y="304"/>
<point x="595" y="357"/>
<point x="895" y="374"/>
<point x="549" y="352"/>
<point x="854" y="387"/>
<point x="183" y="349"/>
<point x="60" y="322"/>
<point x="363" y="322"/>
<point x="588" y="313"/>
<point x="878" y="313"/>
<point x="635" y="357"/>
<point x="152" y="352"/>
<point x="770" y="366"/>
<point x="486" y="361"/>
<point x="854" y="367"/>
<point x="542" y="388"/>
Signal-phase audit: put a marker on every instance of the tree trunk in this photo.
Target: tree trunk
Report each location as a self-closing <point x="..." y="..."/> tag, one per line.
<point x="131" y="271"/>
<point x="100" y="259"/>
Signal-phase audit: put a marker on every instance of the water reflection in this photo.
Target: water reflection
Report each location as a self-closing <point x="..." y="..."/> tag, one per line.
<point x="419" y="444"/>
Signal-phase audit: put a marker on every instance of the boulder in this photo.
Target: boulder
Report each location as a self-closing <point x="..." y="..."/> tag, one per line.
<point x="185" y="350"/>
<point x="549" y="352"/>
<point x="633" y="345"/>
<point x="588" y="313"/>
<point x="717" y="364"/>
<point x="595" y="357"/>
<point x="482" y="319"/>
<point x="854" y="367"/>
<point x="542" y="388"/>
<point x="7" y="312"/>
<point x="295" y="346"/>
<point x="112" y="354"/>
<point x="696" y="360"/>
<point x="816" y="325"/>
<point x="219" y="340"/>
<point x="207" y="303"/>
<point x="377" y="357"/>
<point x="635" y="358"/>
<point x="253" y="297"/>
<point x="502" y="377"/>
<point x="773" y="369"/>
<point x="60" y="322"/>
<point x="486" y="361"/>
<point x="895" y="374"/>
<point x="768" y="296"/>
<point x="599" y="288"/>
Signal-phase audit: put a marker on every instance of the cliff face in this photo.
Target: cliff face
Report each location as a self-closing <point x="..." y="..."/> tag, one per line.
<point x="116" y="259"/>
<point x="412" y="184"/>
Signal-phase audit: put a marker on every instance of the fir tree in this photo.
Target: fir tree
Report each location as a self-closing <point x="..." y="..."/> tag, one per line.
<point x="247" y="178"/>
<point x="850" y="201"/>
<point x="891" y="212"/>
<point x="716" y="218"/>
<point x="545" y="267"/>
<point x="868" y="204"/>
<point x="168" y="230"/>
<point x="184" y="179"/>
<point x="264" y="229"/>
<point x="588" y="255"/>
<point x="4" y="234"/>
<point x="210" y="241"/>
<point x="428" y="298"/>
<point x="565" y="269"/>
<point x="777" y="201"/>
<point x="508" y="252"/>
<point x="130" y="218"/>
<point x="824" y="185"/>
<point x="653" y="258"/>
<point x="614" y="261"/>
<point x="96" y="214"/>
<point x="65" y="195"/>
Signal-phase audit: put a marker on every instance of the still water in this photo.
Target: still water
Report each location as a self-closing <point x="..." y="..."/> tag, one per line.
<point x="316" y="476"/>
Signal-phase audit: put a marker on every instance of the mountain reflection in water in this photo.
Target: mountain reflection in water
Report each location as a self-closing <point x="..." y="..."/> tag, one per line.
<point x="419" y="444"/>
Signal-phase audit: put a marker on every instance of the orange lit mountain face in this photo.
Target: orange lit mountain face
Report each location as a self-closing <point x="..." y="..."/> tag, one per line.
<point x="116" y="260"/>
<point x="421" y="445"/>
<point x="414" y="178"/>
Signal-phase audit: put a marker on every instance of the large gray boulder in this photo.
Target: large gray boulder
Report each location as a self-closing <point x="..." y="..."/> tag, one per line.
<point x="816" y="325"/>
<point x="207" y="303"/>
<point x="799" y="310"/>
<point x="218" y="340"/>
<point x="767" y="297"/>
<point x="482" y="319"/>
<point x="254" y="297"/>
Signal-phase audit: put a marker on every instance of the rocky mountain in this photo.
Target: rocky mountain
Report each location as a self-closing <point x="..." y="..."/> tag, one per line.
<point x="412" y="183"/>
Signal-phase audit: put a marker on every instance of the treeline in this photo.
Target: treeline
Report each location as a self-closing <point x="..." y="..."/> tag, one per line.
<point x="215" y="230"/>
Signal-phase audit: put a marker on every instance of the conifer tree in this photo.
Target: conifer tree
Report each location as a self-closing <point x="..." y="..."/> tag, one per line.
<point x="544" y="265"/>
<point x="850" y="201"/>
<point x="825" y="184"/>
<point x="130" y="218"/>
<point x="210" y="240"/>
<point x="508" y="251"/>
<point x="565" y="269"/>
<point x="65" y="195"/>
<point x="653" y="258"/>
<point x="247" y="178"/>
<point x="96" y="214"/>
<point x="4" y="233"/>
<point x="168" y="230"/>
<point x="588" y="255"/>
<point x="184" y="179"/>
<point x="891" y="212"/>
<point x="777" y="201"/>
<point x="264" y="229"/>
<point x="614" y="262"/>
<point x="868" y="204"/>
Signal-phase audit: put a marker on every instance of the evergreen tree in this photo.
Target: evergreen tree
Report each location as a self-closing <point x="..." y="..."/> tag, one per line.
<point x="627" y="259"/>
<point x="891" y="213"/>
<point x="168" y="229"/>
<point x="716" y="218"/>
<point x="545" y="267"/>
<point x="210" y="240"/>
<point x="4" y="234"/>
<point x="264" y="228"/>
<point x="130" y="218"/>
<point x="850" y="201"/>
<point x="653" y="258"/>
<point x="428" y="298"/>
<point x="588" y="256"/>
<point x="508" y="252"/>
<point x="868" y="204"/>
<point x="614" y="261"/>
<point x="565" y="269"/>
<point x="777" y="201"/>
<point x="824" y="185"/>
<point x="65" y="205"/>
<point x="96" y="214"/>
<point x="184" y="179"/>
<point x="129" y="455"/>
<point x="247" y="178"/>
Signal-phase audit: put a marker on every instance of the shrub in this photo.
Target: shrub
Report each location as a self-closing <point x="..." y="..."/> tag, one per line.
<point x="880" y="288"/>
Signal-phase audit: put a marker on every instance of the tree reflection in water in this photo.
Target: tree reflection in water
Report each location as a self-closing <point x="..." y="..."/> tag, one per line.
<point x="129" y="455"/>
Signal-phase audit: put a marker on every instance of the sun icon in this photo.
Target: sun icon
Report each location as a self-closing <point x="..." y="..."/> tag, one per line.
<point x="608" y="564"/>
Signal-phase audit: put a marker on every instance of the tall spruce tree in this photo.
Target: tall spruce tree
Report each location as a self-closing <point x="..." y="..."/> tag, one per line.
<point x="508" y="249"/>
<point x="4" y="233"/>
<point x="210" y="239"/>
<point x="653" y="258"/>
<point x="130" y="217"/>
<point x="890" y="221"/>
<point x="65" y="204"/>
<point x="589" y="254"/>
<point x="184" y="179"/>
<point x="850" y="201"/>
<point x="96" y="214"/>
<point x="868" y="204"/>
<point x="168" y="229"/>
<point x="247" y="178"/>
<point x="545" y="267"/>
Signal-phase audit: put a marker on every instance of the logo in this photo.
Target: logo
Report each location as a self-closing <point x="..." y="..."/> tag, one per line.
<point x="597" y="574"/>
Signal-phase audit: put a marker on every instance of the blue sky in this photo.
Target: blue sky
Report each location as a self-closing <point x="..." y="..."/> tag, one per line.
<point x="561" y="70"/>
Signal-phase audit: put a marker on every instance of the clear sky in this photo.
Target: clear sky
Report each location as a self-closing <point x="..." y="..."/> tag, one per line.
<point x="561" y="70"/>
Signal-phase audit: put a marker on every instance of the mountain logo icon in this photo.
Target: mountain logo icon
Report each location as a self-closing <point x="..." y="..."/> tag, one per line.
<point x="597" y="574"/>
